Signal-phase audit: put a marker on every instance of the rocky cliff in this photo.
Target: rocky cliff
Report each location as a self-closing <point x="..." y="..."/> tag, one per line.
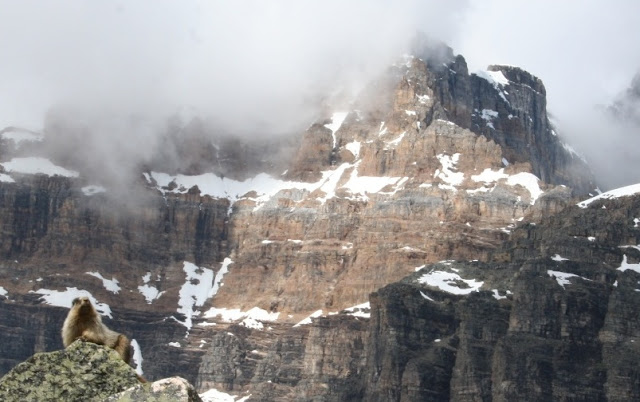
<point x="247" y="268"/>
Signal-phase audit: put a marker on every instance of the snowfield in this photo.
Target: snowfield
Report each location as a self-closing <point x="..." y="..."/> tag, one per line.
<point x="149" y="292"/>
<point x="336" y="122"/>
<point x="616" y="193"/>
<point x="625" y="265"/>
<point x="253" y="318"/>
<point x="563" y="277"/>
<point x="449" y="282"/>
<point x="194" y="292"/>
<point x="269" y="187"/>
<point x="36" y="165"/>
<point x="527" y="180"/>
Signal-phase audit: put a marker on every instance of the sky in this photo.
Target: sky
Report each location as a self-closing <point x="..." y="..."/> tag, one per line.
<point x="261" y="67"/>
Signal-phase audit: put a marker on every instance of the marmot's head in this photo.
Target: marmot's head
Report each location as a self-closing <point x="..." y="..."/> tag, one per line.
<point x="82" y="304"/>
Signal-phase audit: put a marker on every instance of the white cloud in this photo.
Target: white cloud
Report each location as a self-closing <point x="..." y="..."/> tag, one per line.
<point x="249" y="64"/>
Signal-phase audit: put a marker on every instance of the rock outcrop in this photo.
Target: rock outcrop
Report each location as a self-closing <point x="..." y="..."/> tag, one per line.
<point x="82" y="372"/>
<point x="87" y="372"/>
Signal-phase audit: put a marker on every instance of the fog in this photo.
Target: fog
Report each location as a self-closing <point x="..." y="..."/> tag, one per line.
<point x="586" y="53"/>
<point x="259" y="68"/>
<point x="246" y="64"/>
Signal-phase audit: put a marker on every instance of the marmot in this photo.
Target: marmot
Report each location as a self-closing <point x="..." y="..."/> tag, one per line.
<point x="83" y="322"/>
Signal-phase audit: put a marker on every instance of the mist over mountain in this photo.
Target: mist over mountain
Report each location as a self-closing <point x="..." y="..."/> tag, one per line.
<point x="611" y="134"/>
<point x="253" y="70"/>
<point x="328" y="202"/>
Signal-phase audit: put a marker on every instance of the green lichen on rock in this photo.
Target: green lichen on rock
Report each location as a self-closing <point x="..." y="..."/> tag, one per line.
<point x="82" y="372"/>
<point x="174" y="389"/>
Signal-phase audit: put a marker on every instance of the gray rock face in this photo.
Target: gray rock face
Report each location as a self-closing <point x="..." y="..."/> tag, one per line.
<point x="566" y="331"/>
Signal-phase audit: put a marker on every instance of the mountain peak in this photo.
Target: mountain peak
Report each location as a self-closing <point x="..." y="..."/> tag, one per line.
<point x="517" y="75"/>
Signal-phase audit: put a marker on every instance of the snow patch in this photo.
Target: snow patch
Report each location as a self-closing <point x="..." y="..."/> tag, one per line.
<point x="558" y="258"/>
<point x="616" y="193"/>
<point x="175" y="344"/>
<point x="360" y="310"/>
<point x="217" y="282"/>
<point x="3" y="292"/>
<point x="410" y="112"/>
<point x="331" y="182"/>
<point x="423" y="98"/>
<point x="93" y="190"/>
<point x="424" y="296"/>
<point x="268" y="187"/>
<point x="110" y="284"/>
<point x="496" y="79"/>
<point x="393" y="143"/>
<point x="361" y="185"/>
<point x="137" y="357"/>
<point x="336" y="122"/>
<point x="496" y="295"/>
<point x="213" y="395"/>
<point x="448" y="173"/>
<point x="149" y="292"/>
<point x="354" y="148"/>
<point x="447" y="122"/>
<point x="449" y="282"/>
<point x="488" y="115"/>
<point x="218" y="187"/>
<point x="5" y="178"/>
<point x="625" y="265"/>
<point x="563" y="277"/>
<point x="65" y="297"/>
<point x="382" y="130"/>
<point x="307" y="320"/>
<point x="252" y="318"/>
<point x="37" y="165"/>
<point x="527" y="180"/>
<point x="194" y="292"/>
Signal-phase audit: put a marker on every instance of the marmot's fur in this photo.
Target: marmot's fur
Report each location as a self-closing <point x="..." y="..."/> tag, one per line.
<point x="83" y="322"/>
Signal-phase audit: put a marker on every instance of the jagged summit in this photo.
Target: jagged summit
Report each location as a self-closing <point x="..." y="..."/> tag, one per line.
<point x="433" y="52"/>
<point x="518" y="76"/>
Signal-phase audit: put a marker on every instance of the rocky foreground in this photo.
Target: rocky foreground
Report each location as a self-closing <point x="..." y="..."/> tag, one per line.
<point x="86" y="372"/>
